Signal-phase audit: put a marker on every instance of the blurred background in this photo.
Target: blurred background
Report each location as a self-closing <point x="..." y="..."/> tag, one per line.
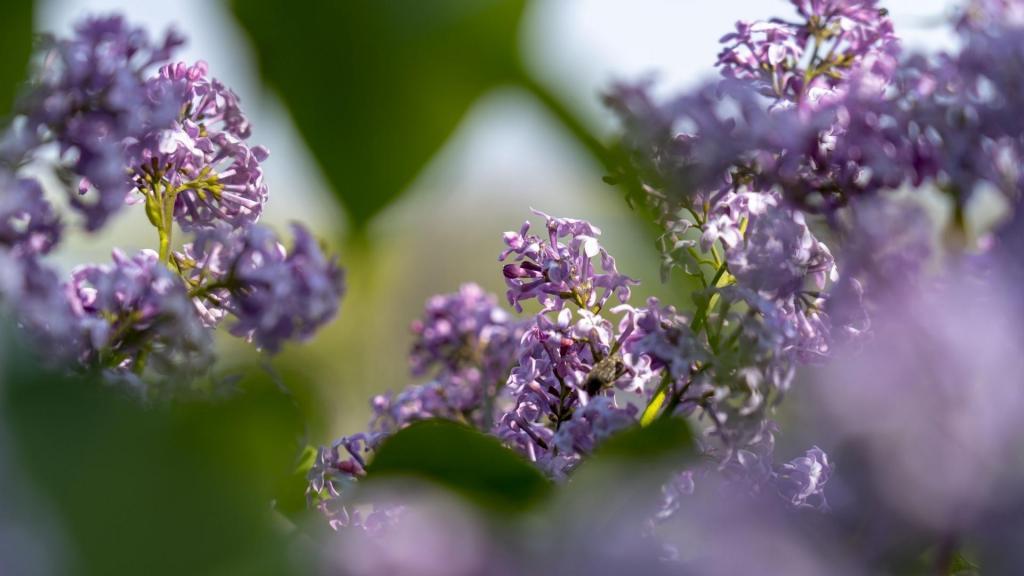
<point x="410" y="135"/>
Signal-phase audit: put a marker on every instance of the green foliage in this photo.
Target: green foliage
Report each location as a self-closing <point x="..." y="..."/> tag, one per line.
<point x="15" y="48"/>
<point x="662" y="438"/>
<point x="183" y="488"/>
<point x="377" y="86"/>
<point x="463" y="460"/>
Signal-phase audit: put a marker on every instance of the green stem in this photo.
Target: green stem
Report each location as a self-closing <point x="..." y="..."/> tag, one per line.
<point x="700" y="317"/>
<point x="167" y="224"/>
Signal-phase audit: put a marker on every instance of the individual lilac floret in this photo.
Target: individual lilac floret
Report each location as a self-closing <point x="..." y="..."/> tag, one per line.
<point x="274" y="294"/>
<point x="801" y="481"/>
<point x="555" y="271"/>
<point x="136" y="313"/>
<point x="203" y="160"/>
<point x="91" y="98"/>
<point x="28" y="222"/>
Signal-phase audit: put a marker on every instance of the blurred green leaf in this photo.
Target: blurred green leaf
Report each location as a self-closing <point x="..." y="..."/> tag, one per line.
<point x="182" y="488"/>
<point x="15" y="48"/>
<point x="377" y="86"/>
<point x="463" y="460"/>
<point x="664" y="437"/>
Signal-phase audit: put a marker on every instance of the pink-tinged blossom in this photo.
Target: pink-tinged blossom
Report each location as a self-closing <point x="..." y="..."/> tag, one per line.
<point x="561" y="267"/>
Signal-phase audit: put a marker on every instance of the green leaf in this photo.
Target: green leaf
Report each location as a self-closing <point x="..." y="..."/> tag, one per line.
<point x="662" y="438"/>
<point x="181" y="488"/>
<point x="463" y="460"/>
<point x="377" y="86"/>
<point x="15" y="49"/>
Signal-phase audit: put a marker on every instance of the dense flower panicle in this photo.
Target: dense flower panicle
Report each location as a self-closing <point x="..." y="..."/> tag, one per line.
<point x="469" y="342"/>
<point x="120" y="118"/>
<point x="135" y="313"/>
<point x="464" y="328"/>
<point x="664" y="337"/>
<point x="455" y="397"/>
<point x="796" y="62"/>
<point x="554" y="271"/>
<point x="90" y="96"/>
<point x="203" y="159"/>
<point x="599" y="419"/>
<point x="28" y="223"/>
<point x="779" y="255"/>
<point x="273" y="294"/>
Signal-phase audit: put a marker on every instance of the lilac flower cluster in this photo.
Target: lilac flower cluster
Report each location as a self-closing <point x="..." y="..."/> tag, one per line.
<point x="800" y="62"/>
<point x="203" y="164"/>
<point x="91" y="97"/>
<point x="571" y="359"/>
<point x="466" y="344"/>
<point x="123" y="121"/>
<point x="555" y="272"/>
<point x="579" y="377"/>
<point x="786" y="192"/>
<point x="273" y="294"/>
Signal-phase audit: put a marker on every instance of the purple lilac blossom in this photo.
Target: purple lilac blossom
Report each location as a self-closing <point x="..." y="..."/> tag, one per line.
<point x="179" y="138"/>
<point x="799" y="61"/>
<point x="801" y="481"/>
<point x="35" y="297"/>
<point x="550" y="384"/>
<point x="28" y="223"/>
<point x="468" y="343"/>
<point x="91" y="98"/>
<point x="273" y="294"/>
<point x="204" y="159"/>
<point x="779" y="254"/>
<point x="136" y="314"/>
<point x="552" y="271"/>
